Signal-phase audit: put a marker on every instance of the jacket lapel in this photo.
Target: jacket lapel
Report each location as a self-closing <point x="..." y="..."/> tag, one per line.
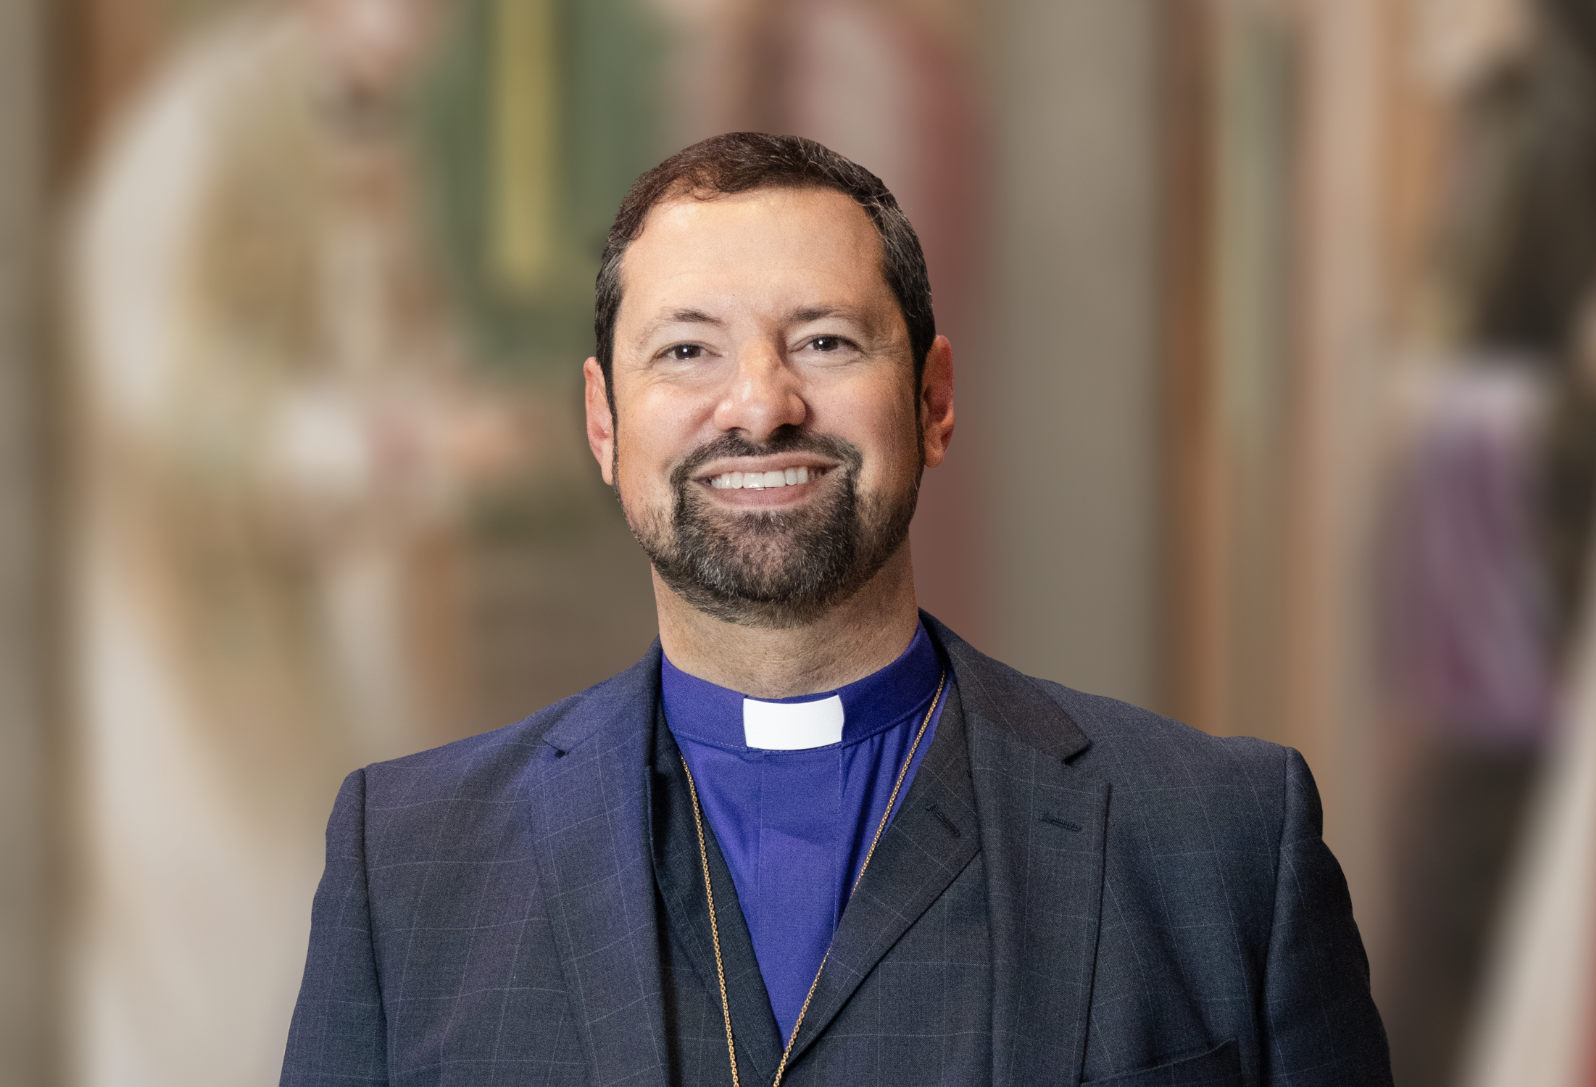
<point x="1039" y="822"/>
<point x="1042" y="832"/>
<point x="586" y="793"/>
<point x="679" y="874"/>
<point x="929" y="842"/>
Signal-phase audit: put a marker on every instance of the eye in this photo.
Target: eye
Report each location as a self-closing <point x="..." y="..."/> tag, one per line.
<point x="828" y="344"/>
<point x="684" y="352"/>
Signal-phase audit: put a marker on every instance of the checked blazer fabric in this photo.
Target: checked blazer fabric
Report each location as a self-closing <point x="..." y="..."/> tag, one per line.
<point x="1156" y="905"/>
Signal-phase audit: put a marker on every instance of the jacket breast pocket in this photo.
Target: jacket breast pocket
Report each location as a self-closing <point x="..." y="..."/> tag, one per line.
<point x="1219" y="1067"/>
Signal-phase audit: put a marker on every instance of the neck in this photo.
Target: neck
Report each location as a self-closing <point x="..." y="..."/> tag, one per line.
<point x="857" y="637"/>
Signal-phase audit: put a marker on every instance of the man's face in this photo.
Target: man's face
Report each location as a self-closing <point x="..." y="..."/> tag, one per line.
<point x="766" y="444"/>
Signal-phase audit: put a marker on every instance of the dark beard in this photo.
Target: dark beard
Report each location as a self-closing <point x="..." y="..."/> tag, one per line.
<point x="770" y="569"/>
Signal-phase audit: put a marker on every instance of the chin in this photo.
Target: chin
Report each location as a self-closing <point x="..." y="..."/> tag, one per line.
<point x="773" y="570"/>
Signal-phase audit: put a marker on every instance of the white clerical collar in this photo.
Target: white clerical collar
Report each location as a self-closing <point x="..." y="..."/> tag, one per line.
<point x="702" y="712"/>
<point x="792" y="726"/>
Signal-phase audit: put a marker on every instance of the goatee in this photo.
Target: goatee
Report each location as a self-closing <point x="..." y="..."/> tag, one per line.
<point x="773" y="569"/>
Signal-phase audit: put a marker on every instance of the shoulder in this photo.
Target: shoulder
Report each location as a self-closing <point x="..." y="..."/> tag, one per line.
<point x="1123" y="744"/>
<point x="1182" y="788"/>
<point x="1132" y="746"/>
<point x="487" y="770"/>
<point x="1185" y="810"/>
<point x="491" y="755"/>
<point x="1168" y="780"/>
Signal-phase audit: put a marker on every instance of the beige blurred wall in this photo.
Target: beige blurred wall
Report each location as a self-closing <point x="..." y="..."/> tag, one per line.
<point x="24" y="984"/>
<point x="1073" y="417"/>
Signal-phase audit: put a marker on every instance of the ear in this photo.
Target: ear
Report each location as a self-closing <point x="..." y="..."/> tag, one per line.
<point x="600" y="422"/>
<point x="936" y="402"/>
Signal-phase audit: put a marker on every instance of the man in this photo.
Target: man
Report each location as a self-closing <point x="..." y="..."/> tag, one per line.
<point x="813" y="837"/>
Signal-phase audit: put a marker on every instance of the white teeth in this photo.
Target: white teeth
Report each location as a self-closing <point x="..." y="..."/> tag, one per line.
<point x="758" y="481"/>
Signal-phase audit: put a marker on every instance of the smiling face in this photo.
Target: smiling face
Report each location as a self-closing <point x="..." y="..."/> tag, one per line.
<point x="768" y="437"/>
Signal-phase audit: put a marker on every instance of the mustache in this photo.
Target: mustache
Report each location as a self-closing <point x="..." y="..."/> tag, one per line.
<point x="785" y="440"/>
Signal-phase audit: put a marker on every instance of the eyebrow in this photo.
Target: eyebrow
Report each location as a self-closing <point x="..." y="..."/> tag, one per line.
<point x="691" y="317"/>
<point x="679" y="317"/>
<point x="797" y="316"/>
<point x="820" y="313"/>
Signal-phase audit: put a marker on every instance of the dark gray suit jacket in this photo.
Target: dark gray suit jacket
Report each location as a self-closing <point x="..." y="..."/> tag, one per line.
<point x="1157" y="907"/>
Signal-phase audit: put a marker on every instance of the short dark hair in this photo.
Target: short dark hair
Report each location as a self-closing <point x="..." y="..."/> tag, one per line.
<point x="743" y="161"/>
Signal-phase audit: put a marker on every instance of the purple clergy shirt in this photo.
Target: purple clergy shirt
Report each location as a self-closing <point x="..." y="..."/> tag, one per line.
<point x="794" y="826"/>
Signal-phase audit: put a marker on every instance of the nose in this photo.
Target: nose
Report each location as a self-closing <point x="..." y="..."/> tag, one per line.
<point x="764" y="395"/>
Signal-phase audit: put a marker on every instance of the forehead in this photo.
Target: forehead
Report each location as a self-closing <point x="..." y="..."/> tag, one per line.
<point x="766" y="246"/>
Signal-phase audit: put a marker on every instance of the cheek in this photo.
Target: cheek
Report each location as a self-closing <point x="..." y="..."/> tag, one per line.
<point x="886" y="425"/>
<point x="650" y="439"/>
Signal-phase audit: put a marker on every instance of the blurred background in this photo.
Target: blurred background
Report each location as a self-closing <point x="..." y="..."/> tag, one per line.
<point x="1275" y="326"/>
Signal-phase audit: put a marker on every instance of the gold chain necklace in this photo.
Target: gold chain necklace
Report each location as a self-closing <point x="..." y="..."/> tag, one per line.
<point x="714" y="925"/>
